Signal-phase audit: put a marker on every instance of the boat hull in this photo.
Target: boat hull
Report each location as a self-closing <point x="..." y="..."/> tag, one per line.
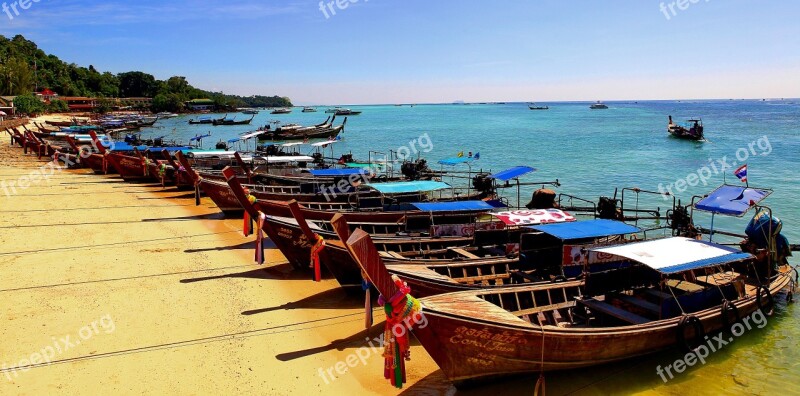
<point x="469" y="349"/>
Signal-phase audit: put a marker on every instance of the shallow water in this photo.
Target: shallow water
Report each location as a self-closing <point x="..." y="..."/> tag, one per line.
<point x="592" y="152"/>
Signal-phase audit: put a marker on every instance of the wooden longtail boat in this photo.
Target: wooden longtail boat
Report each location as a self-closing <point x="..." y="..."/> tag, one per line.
<point x="692" y="131"/>
<point x="674" y="292"/>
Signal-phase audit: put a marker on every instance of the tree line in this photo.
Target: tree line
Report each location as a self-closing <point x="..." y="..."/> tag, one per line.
<point x="25" y="68"/>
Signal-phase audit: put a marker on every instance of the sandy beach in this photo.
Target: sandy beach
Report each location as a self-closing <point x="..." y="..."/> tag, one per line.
<point x="131" y="288"/>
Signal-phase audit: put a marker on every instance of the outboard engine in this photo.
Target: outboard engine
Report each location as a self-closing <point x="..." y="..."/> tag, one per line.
<point x="345" y="158"/>
<point x="318" y="158"/>
<point x="543" y="198"/>
<point x="607" y="209"/>
<point x="158" y="142"/>
<point x="681" y="222"/>
<point x="764" y="235"/>
<point x="409" y="170"/>
<point x="131" y="139"/>
<point x="481" y="182"/>
<point x="221" y="146"/>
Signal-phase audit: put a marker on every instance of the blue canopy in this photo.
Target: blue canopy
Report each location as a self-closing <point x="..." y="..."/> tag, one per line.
<point x="512" y="173"/>
<point x="732" y="200"/>
<point x="338" y="172"/>
<point x="122" y="146"/>
<point x="674" y="255"/>
<point x="586" y="229"/>
<point x="456" y="161"/>
<point x="199" y="137"/>
<point x="456" y="206"/>
<point x="408" y="187"/>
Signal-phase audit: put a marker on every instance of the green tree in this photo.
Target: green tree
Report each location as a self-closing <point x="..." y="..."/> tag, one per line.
<point x="29" y="104"/>
<point x="137" y="84"/>
<point x="17" y="77"/>
<point x="167" y="102"/>
<point x="58" y="106"/>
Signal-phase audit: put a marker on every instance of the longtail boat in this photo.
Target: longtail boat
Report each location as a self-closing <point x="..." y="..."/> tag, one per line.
<point x="671" y="292"/>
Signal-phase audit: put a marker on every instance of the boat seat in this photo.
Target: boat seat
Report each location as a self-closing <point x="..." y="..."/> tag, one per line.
<point x="610" y="310"/>
<point x="684" y="286"/>
<point x="639" y="303"/>
<point x="658" y="294"/>
<point x="464" y="253"/>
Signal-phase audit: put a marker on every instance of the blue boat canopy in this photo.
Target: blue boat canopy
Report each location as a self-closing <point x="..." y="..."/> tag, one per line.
<point x="122" y="146"/>
<point x="586" y="229"/>
<point x="199" y="137"/>
<point x="457" y="206"/>
<point x="512" y="173"/>
<point x="338" y="172"/>
<point x="678" y="254"/>
<point x="408" y="187"/>
<point x="732" y="200"/>
<point x="455" y="161"/>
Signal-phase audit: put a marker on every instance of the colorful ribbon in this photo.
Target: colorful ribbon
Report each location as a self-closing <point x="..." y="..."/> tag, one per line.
<point x="315" y="251"/>
<point x="402" y="312"/>
<point x="260" y="238"/>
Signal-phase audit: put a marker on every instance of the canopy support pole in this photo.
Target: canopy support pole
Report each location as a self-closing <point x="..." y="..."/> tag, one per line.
<point x="711" y="232"/>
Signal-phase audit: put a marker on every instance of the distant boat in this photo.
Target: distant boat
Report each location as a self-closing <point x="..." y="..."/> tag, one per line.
<point x="533" y="106"/>
<point x="693" y="130"/>
<point x="281" y="111"/>
<point x="206" y="120"/>
<point x="165" y="114"/>
<point x="598" y="106"/>
<point x="309" y="110"/>
<point x="249" y="111"/>
<point x="333" y="110"/>
<point x="347" y="112"/>
<point x="232" y="121"/>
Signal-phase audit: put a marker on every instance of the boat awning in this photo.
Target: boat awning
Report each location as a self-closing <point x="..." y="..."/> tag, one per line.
<point x="323" y="144"/>
<point x="250" y="135"/>
<point x="455" y="161"/>
<point x="286" y="158"/>
<point x="209" y="153"/>
<point x="122" y="146"/>
<point x="534" y="217"/>
<point x="199" y="137"/>
<point x="337" y="172"/>
<point x="678" y="254"/>
<point x="512" y="173"/>
<point x="408" y="187"/>
<point x="586" y="229"/>
<point x="456" y="206"/>
<point x="292" y="144"/>
<point x="732" y="200"/>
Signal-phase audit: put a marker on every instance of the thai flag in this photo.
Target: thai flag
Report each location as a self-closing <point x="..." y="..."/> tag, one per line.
<point x="741" y="173"/>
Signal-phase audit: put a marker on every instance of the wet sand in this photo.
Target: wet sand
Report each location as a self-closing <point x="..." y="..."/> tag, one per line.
<point x="160" y="296"/>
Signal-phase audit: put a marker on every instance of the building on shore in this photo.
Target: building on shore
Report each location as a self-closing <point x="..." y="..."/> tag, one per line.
<point x="200" y="104"/>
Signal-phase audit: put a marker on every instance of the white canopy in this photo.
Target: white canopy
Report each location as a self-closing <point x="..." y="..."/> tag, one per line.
<point x="678" y="254"/>
<point x="322" y="144"/>
<point x="286" y="158"/>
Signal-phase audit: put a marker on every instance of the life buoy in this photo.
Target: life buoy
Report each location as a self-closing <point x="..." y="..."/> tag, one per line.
<point x="726" y="320"/>
<point x="769" y="308"/>
<point x="699" y="332"/>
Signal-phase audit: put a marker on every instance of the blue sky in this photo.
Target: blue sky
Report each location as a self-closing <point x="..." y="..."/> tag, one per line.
<point x="392" y="51"/>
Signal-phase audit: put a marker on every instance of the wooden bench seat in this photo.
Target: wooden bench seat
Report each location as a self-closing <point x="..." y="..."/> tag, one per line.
<point x="610" y="310"/>
<point x="718" y="279"/>
<point x="685" y="286"/>
<point x="464" y="253"/>
<point x="639" y="303"/>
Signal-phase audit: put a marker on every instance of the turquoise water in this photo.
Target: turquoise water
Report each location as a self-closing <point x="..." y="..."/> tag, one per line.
<point x="592" y="152"/>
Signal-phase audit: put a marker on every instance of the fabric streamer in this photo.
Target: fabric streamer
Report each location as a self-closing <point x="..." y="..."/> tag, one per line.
<point x="366" y="286"/>
<point x="315" y="251"/>
<point x="260" y="238"/>
<point x="402" y="313"/>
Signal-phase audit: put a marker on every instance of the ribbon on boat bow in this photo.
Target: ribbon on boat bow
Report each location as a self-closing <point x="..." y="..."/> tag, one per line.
<point x="247" y="227"/>
<point x="260" y="238"/>
<point x="315" y="251"/>
<point x="402" y="312"/>
<point x="146" y="165"/>
<point x="366" y="285"/>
